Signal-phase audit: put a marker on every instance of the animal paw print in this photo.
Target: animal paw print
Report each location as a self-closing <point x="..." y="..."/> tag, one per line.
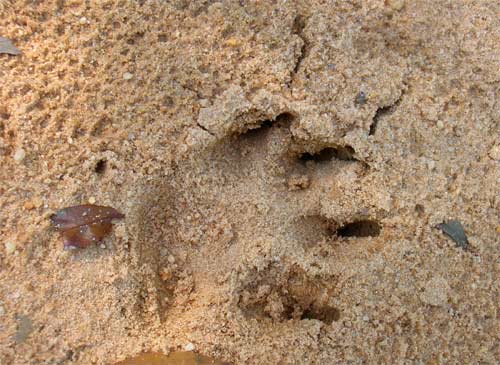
<point x="259" y="216"/>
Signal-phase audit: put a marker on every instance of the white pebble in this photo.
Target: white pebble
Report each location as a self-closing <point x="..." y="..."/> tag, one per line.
<point x="10" y="247"/>
<point x="436" y="292"/>
<point x="19" y="155"/>
<point x="83" y="20"/>
<point x="189" y="347"/>
<point x="127" y="76"/>
<point x="91" y="200"/>
<point x="171" y="259"/>
<point x="396" y="5"/>
<point x="494" y="152"/>
<point x="440" y="124"/>
<point x="103" y="246"/>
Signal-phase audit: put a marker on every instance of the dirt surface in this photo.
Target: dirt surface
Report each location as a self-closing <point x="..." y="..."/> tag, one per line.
<point x="282" y="166"/>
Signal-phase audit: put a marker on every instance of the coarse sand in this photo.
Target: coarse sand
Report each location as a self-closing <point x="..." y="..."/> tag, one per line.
<point x="282" y="166"/>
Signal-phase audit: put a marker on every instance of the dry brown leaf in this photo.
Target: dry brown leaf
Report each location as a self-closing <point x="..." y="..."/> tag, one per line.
<point x="82" y="225"/>
<point x="174" y="358"/>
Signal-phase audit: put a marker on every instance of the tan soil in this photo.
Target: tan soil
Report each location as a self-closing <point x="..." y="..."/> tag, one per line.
<point x="232" y="242"/>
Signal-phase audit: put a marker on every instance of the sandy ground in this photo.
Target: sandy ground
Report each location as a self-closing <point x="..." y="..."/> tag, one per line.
<point x="282" y="166"/>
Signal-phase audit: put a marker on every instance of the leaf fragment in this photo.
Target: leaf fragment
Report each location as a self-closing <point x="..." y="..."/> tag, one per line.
<point x="82" y="225"/>
<point x="174" y="358"/>
<point x="455" y="231"/>
<point x="7" y="47"/>
<point x="24" y="329"/>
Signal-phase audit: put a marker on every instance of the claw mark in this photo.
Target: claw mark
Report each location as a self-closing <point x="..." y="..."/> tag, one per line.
<point x="361" y="228"/>
<point x="326" y="314"/>
<point x="382" y="111"/>
<point x="282" y="120"/>
<point x="344" y="153"/>
<point x="205" y="129"/>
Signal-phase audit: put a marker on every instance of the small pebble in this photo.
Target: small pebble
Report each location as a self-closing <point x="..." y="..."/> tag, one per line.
<point x="10" y="247"/>
<point x="396" y="5"/>
<point x="189" y="347"/>
<point x="166" y="274"/>
<point x="102" y="245"/>
<point x="37" y="202"/>
<point x="171" y="259"/>
<point x="361" y="98"/>
<point x="19" y="155"/>
<point x="440" y="124"/>
<point x="455" y="231"/>
<point x="298" y="182"/>
<point x="436" y="292"/>
<point x="127" y="76"/>
<point x="29" y="205"/>
<point x="91" y="200"/>
<point x="204" y="103"/>
<point x="83" y="20"/>
<point x="494" y="153"/>
<point x="2" y="310"/>
<point x="233" y="42"/>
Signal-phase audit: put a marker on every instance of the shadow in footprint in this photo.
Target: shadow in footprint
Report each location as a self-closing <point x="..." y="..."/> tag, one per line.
<point x="360" y="228"/>
<point x="283" y="120"/>
<point x="326" y="314"/>
<point x="343" y="153"/>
